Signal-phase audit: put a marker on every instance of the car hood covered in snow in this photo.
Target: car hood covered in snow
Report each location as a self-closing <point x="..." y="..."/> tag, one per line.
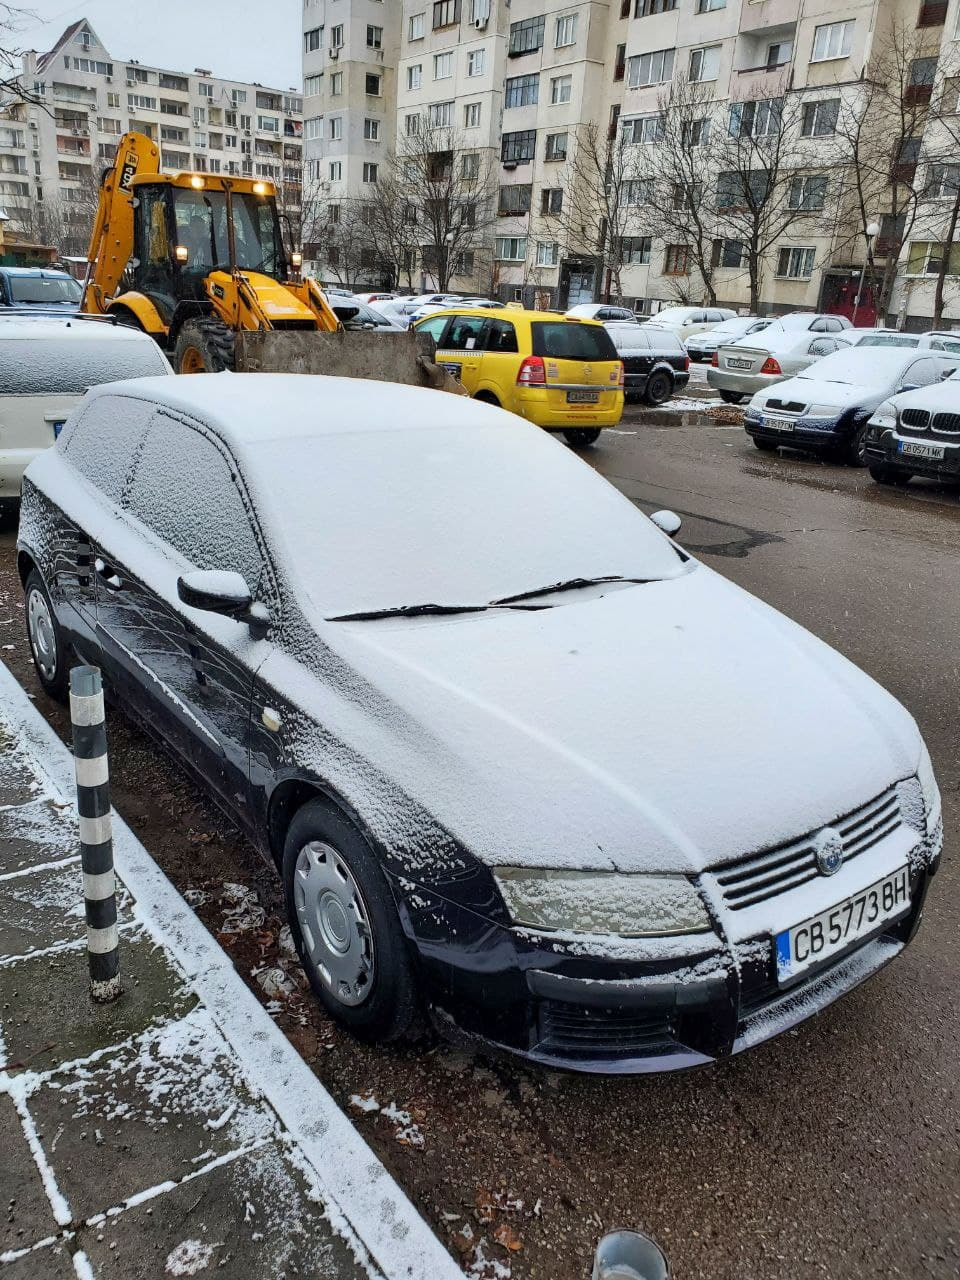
<point x="840" y="395"/>
<point x="665" y="726"/>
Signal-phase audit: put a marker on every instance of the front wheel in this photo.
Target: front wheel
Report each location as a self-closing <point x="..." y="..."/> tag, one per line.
<point x="659" y="388"/>
<point x="47" y="645"/>
<point x="581" y="436"/>
<point x="855" y="451"/>
<point x="887" y="475"/>
<point x="765" y="446"/>
<point x="345" y="926"/>
<point x="731" y="397"/>
<point x="204" y="345"/>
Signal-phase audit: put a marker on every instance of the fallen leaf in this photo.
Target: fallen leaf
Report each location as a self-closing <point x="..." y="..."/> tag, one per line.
<point x="485" y="1205"/>
<point x="506" y="1235"/>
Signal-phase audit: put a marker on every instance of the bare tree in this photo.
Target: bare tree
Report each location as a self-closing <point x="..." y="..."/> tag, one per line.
<point x="13" y="19"/>
<point x="351" y="245"/>
<point x="396" y="226"/>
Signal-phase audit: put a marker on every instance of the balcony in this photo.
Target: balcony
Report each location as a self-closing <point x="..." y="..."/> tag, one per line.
<point x="932" y="13"/>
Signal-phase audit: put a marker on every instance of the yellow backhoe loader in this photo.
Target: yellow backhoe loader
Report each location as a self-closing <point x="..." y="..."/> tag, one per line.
<point x="194" y="259"/>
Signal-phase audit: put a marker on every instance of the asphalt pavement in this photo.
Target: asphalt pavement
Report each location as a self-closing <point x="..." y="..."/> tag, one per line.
<point x="833" y="1151"/>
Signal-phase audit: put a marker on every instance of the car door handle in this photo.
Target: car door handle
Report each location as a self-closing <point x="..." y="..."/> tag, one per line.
<point x="108" y="575"/>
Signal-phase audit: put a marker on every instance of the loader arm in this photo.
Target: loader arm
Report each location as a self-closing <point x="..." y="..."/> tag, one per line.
<point x="111" y="241"/>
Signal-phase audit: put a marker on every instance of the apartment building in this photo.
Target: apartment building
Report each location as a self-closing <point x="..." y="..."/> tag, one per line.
<point x="53" y="150"/>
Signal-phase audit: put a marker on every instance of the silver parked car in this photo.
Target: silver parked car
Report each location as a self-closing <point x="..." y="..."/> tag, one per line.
<point x="790" y="344"/>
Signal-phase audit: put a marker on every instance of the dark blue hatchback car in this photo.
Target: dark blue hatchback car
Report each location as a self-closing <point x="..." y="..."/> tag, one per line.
<point x="38" y="289"/>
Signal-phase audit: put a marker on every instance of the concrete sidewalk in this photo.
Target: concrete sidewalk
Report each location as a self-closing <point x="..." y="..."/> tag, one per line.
<point x="175" y="1132"/>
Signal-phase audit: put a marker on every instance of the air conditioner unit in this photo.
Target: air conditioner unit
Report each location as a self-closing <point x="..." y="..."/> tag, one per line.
<point x="34" y="125"/>
<point x="246" y="133"/>
<point x="108" y="79"/>
<point x="334" y="52"/>
<point x="509" y="164"/>
<point x="131" y="83"/>
<point x="481" y="23"/>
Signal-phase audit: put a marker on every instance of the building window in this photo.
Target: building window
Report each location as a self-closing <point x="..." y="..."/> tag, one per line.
<point x="728" y="253"/>
<point x="445" y="13"/>
<point x="742" y="190"/>
<point x="471" y="115"/>
<point x="336" y="36"/>
<point x="696" y="133"/>
<point x="556" y="146"/>
<point x="336" y="84"/>
<point x="336" y="170"/>
<point x="526" y="36"/>
<point x="759" y="119"/>
<point x="370" y="171"/>
<point x="636" y="191"/>
<point x="440" y="115"/>
<point x="442" y="66"/>
<point x="643" y="129"/>
<point x="561" y="88"/>
<point x="140" y="102"/>
<point x="635" y="250"/>
<point x="704" y="64"/>
<point x="411" y="124"/>
<point x="646" y="8"/>
<point x="676" y="261"/>
<point x="710" y="6"/>
<point x="519" y="147"/>
<point x="566" y="31"/>
<point x="514" y="201"/>
<point x="832" y="40"/>
<point x="778" y="54"/>
<point x="374" y="37"/>
<point x="521" y="91"/>
<point x="925" y="258"/>
<point x="464" y="265"/>
<point x="336" y="128"/>
<point x="371" y="130"/>
<point x="820" y="118"/>
<point x="312" y="129"/>
<point x="807" y="192"/>
<point x="548" y="253"/>
<point x="943" y="180"/>
<point x="416" y="27"/>
<point x="795" y="263"/>
<point x="551" y="201"/>
<point x="470" y="166"/>
<point x="311" y="40"/>
<point x="511" y="248"/>
<point x="475" y="61"/>
<point x="650" y="68"/>
<point x="414" y="76"/>
<point x="268" y="124"/>
<point x="372" y="85"/>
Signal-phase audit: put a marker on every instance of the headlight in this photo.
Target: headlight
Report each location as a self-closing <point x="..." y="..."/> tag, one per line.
<point x="630" y="906"/>
<point x="885" y="415"/>
<point x="931" y="792"/>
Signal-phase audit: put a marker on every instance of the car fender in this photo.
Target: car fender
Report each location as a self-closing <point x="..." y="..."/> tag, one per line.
<point x="143" y="310"/>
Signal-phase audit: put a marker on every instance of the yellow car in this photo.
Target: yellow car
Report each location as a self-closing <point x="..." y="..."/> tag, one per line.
<point x="559" y="373"/>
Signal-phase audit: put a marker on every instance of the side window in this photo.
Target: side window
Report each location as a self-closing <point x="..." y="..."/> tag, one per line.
<point x="822" y="347"/>
<point x="921" y="373"/>
<point x="435" y="326"/>
<point x="820" y="326"/>
<point x="103" y="443"/>
<point x="501" y="337"/>
<point x="205" y="520"/>
<point x="464" y="334"/>
<point x="951" y="345"/>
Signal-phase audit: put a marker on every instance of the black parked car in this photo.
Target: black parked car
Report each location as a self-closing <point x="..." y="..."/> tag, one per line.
<point x="490" y="723"/>
<point x="655" y="362"/>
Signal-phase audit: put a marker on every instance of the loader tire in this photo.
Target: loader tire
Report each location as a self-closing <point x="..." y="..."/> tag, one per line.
<point x="204" y="345"/>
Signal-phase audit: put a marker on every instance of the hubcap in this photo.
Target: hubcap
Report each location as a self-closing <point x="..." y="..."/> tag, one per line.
<point x="192" y="361"/>
<point x="43" y="639"/>
<point x="334" y="922"/>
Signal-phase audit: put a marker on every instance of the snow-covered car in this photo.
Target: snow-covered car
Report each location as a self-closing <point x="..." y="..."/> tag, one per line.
<point x="602" y="311"/>
<point x="826" y="407"/>
<point x="46" y="365"/>
<point x="685" y="321"/>
<point x="881" y="338"/>
<point x="354" y="314"/>
<point x="917" y="433"/>
<point x="787" y="345"/>
<point x="33" y="289"/>
<point x="701" y="346"/>
<point x="575" y="793"/>
<point x="375" y="297"/>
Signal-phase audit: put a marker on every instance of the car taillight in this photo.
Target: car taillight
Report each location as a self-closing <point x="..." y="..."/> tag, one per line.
<point x="686" y="363"/>
<point x="532" y="373"/>
<point x="770" y="366"/>
<point x="715" y="360"/>
<point x="620" y="379"/>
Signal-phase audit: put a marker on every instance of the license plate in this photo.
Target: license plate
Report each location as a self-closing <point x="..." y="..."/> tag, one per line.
<point x="922" y="450"/>
<point x="832" y="931"/>
<point x="583" y="397"/>
<point x="778" y="423"/>
<point x="57" y="428"/>
<point x="739" y="364"/>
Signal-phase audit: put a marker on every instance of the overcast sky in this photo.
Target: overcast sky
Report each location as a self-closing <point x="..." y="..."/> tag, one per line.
<point x="252" y="41"/>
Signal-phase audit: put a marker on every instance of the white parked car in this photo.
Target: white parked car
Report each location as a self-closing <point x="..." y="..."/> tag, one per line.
<point x="46" y="365"/>
<point x="882" y="338"/>
<point x="685" y="321"/>
<point x="375" y="297"/>
<point x="602" y="311"/>
<point x="826" y="406"/>
<point x="917" y="433"/>
<point x="701" y="346"/>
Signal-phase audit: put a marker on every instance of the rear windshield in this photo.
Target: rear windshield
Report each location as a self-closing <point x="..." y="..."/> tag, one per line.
<point x="60" y="366"/>
<point x="567" y="340"/>
<point x="43" y="289"/>
<point x="889" y="340"/>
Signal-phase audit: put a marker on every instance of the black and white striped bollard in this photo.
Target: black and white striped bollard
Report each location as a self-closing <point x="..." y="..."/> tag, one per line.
<point x="96" y="841"/>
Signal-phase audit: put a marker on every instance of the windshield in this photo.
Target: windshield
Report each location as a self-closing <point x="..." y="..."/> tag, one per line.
<point x="201" y="220"/>
<point x="50" y="290"/>
<point x="888" y="340"/>
<point x="375" y="519"/>
<point x="856" y="365"/>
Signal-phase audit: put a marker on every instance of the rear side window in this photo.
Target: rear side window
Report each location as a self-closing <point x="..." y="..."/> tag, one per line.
<point x="205" y="520"/>
<point x="61" y="366"/>
<point x="823" y="347"/>
<point x="103" y="444"/>
<point x="567" y="340"/>
<point x="501" y="337"/>
<point x="434" y="326"/>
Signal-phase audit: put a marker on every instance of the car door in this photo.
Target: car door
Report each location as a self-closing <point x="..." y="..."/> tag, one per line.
<point x="187" y="673"/>
<point x="500" y="359"/>
<point x="461" y="352"/>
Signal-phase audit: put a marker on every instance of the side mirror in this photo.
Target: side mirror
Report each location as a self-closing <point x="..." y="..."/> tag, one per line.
<point x="908" y="386"/>
<point x="623" y="1255"/>
<point x="667" y="522"/>
<point x="225" y="592"/>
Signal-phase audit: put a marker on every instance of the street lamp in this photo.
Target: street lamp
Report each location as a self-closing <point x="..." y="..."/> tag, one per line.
<point x="871" y="230"/>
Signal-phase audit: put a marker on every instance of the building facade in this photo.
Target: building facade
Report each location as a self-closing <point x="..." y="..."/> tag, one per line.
<point x="54" y="149"/>
<point x="820" y="177"/>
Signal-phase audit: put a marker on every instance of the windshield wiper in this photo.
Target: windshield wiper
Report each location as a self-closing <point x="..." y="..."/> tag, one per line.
<point x="571" y="584"/>
<point x="421" y="610"/>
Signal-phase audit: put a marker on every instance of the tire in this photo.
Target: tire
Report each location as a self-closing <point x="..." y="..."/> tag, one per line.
<point x="345" y="926"/>
<point x="659" y="387"/>
<point x="487" y="397"/>
<point x="51" y="658"/>
<point x="730" y="397"/>
<point x="204" y="345"/>
<point x="887" y="475"/>
<point x="855" y="450"/>
<point x="9" y="512"/>
<point x="765" y="446"/>
<point x="579" y="437"/>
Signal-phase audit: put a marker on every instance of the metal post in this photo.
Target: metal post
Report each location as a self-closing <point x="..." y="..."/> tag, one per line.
<point x="96" y="841"/>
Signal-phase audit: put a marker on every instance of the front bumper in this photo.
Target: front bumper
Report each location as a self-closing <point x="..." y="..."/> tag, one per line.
<point x="13" y="463"/>
<point x="805" y="433"/>
<point x="884" y="447"/>
<point x="708" y="1001"/>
